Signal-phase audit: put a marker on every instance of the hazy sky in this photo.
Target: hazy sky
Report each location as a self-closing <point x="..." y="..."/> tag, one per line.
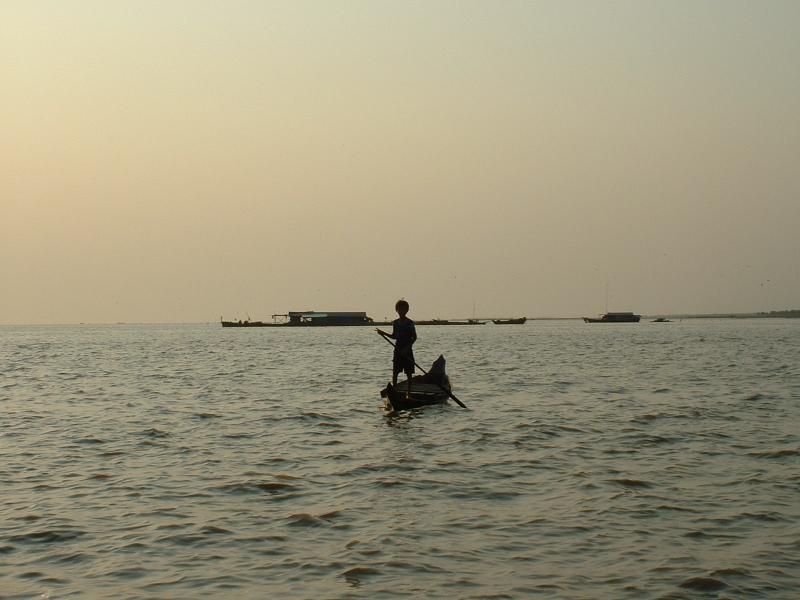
<point x="179" y="161"/>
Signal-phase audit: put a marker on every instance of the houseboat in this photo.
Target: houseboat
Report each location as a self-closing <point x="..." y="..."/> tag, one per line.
<point x="450" y="322"/>
<point x="308" y="318"/>
<point x="614" y="317"/>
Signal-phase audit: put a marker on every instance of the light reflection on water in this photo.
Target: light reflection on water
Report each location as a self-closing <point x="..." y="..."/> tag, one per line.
<point x="597" y="461"/>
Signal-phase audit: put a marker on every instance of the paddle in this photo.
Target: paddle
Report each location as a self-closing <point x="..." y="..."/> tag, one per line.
<point x="385" y="336"/>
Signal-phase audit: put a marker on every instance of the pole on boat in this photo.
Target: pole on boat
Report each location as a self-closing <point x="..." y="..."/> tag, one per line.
<point x="385" y="336"/>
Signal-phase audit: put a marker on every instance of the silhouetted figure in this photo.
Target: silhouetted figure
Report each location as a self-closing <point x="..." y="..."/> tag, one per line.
<point x="405" y="334"/>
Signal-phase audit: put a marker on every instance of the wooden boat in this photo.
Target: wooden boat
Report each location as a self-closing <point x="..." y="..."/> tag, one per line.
<point x="247" y="323"/>
<point x="450" y="322"/>
<point x="614" y="317"/>
<point x="519" y="321"/>
<point x="432" y="388"/>
<point x="308" y="318"/>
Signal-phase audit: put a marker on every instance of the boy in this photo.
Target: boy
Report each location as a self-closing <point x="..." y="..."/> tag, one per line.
<point x="404" y="332"/>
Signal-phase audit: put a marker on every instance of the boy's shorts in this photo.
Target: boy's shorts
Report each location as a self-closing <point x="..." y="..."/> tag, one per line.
<point x="403" y="364"/>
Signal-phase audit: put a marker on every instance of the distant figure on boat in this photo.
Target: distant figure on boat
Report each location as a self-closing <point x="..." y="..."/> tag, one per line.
<point x="405" y="334"/>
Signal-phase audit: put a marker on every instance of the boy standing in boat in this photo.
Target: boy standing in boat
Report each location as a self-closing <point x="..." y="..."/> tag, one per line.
<point x="405" y="334"/>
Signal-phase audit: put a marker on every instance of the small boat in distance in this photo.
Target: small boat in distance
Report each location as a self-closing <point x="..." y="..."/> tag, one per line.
<point x="245" y="323"/>
<point x="450" y="322"/>
<point x="518" y="321"/>
<point x="661" y="320"/>
<point x="432" y="388"/>
<point x="614" y="317"/>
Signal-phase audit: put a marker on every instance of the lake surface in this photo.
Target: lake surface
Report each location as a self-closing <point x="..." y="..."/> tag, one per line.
<point x="595" y="461"/>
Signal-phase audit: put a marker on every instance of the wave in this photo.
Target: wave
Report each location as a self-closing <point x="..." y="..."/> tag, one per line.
<point x="776" y="453"/>
<point x="47" y="536"/>
<point x="703" y="584"/>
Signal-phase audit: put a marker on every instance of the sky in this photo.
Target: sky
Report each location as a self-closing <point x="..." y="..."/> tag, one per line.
<point x="186" y="160"/>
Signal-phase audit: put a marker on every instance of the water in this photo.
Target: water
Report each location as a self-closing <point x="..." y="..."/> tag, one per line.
<point x="595" y="461"/>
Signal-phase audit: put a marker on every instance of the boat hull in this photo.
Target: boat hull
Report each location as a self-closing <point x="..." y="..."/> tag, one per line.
<point x="450" y="322"/>
<point x="304" y="325"/>
<point x="431" y="388"/>
<point x="244" y="324"/>
<point x="422" y="394"/>
<point x="614" y="318"/>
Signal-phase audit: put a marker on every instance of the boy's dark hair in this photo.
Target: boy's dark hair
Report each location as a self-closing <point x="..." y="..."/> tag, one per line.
<point x="401" y="305"/>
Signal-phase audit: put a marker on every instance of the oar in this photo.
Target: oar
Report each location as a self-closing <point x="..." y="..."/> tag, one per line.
<point x="385" y="336"/>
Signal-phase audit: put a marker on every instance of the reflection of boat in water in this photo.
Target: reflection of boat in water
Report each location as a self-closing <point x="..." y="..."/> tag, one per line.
<point x="432" y="388"/>
<point x="518" y="321"/>
<point x="661" y="320"/>
<point x="614" y="317"/>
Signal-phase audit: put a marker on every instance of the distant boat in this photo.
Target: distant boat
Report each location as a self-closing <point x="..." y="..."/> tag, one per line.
<point x="614" y="317"/>
<point x="661" y="320"/>
<point x="518" y="321"/>
<point x="308" y="318"/>
<point x="247" y="323"/>
<point x="432" y="388"/>
<point x="450" y="322"/>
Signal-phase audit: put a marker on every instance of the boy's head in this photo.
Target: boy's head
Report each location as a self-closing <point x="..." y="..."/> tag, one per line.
<point x="401" y="307"/>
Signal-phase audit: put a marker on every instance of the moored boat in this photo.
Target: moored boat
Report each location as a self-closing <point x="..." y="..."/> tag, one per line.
<point x="614" y="317"/>
<point x="450" y="322"/>
<point x="518" y="321"/>
<point x="308" y="318"/>
<point x="433" y="388"/>
<point x="247" y="323"/>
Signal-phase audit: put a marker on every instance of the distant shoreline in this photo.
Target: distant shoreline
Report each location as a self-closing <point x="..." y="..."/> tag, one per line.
<point x="775" y="314"/>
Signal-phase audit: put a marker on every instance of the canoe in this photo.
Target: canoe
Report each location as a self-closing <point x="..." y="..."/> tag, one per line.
<point x="425" y="389"/>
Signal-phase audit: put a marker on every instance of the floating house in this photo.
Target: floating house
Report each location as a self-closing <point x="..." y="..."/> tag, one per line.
<point x="614" y="317"/>
<point x="320" y="319"/>
<point x="308" y="318"/>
